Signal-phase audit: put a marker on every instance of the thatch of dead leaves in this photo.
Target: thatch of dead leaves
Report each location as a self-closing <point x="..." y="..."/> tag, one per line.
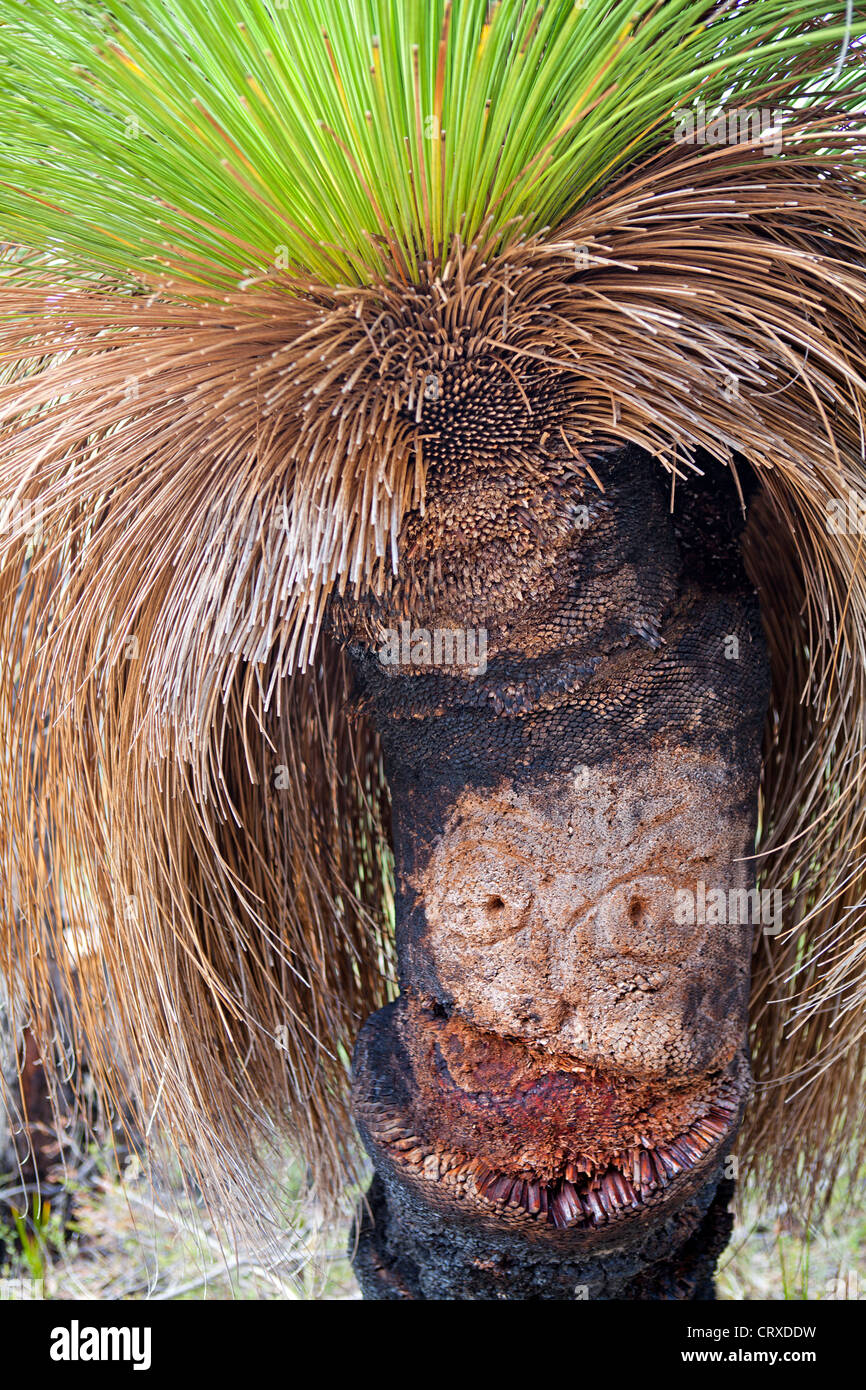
<point x="181" y="782"/>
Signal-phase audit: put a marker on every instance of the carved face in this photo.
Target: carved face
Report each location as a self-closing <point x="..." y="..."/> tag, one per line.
<point x="567" y="822"/>
<point x="552" y="913"/>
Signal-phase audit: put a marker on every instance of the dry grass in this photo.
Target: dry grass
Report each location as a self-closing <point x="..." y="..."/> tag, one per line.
<point x="132" y="1239"/>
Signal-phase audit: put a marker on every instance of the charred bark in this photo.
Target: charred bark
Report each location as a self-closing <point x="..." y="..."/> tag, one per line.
<point x="550" y="1102"/>
<point x="403" y="1251"/>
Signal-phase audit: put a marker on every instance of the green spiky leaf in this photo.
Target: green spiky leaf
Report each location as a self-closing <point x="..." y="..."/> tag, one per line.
<point x="217" y="141"/>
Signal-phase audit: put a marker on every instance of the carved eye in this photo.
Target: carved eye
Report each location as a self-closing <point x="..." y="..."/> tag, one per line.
<point x="494" y="904"/>
<point x="636" y="909"/>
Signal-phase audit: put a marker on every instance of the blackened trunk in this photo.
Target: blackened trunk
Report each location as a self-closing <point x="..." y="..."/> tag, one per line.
<point x="550" y="1102"/>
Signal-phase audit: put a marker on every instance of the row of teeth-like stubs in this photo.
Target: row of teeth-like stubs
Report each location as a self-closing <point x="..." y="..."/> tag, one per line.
<point x="584" y="1195"/>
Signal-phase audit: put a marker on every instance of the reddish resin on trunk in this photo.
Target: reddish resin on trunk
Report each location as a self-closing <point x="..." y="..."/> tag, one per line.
<point x="490" y="1124"/>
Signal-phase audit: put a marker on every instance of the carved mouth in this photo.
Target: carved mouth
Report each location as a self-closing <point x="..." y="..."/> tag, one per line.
<point x="585" y="1194"/>
<point x="478" y="1121"/>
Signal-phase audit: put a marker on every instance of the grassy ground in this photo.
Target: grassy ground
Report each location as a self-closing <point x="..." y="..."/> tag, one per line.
<point x="128" y="1242"/>
<point x="130" y="1238"/>
<point x="773" y="1256"/>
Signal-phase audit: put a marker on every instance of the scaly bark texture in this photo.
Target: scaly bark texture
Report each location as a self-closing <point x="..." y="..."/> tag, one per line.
<point x="549" y="1102"/>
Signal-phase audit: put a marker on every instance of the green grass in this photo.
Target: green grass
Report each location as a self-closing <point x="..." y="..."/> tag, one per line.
<point x="775" y="1256"/>
<point x="209" y="138"/>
